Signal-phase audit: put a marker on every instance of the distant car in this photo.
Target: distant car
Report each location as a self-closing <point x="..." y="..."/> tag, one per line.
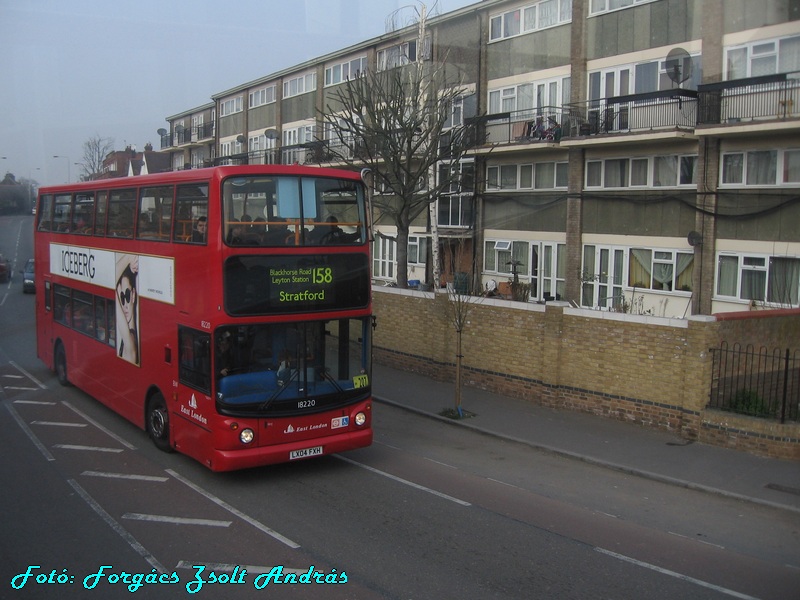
<point x="5" y="269"/>
<point x="27" y="278"/>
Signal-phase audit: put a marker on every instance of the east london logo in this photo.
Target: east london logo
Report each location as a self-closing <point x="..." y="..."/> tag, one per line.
<point x="292" y="429"/>
<point x="190" y="412"/>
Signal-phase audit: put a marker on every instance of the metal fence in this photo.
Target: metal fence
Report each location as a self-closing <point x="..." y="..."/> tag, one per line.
<point x="756" y="382"/>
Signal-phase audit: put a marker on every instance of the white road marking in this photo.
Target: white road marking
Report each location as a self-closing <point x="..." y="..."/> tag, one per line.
<point x="219" y="502"/>
<point x="24" y="426"/>
<point x="108" y="432"/>
<point x="56" y="424"/>
<point x="87" y="448"/>
<point x="118" y="529"/>
<point x="681" y="576"/>
<point x="28" y="375"/>
<point x="36" y="402"/>
<point x="403" y="481"/>
<point x="125" y="476"/>
<point x="175" y="520"/>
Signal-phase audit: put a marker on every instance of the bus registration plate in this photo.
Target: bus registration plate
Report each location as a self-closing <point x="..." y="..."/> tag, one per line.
<point x="305" y="452"/>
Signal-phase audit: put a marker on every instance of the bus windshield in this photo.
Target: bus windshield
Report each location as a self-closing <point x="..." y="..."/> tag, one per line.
<point x="284" y="368"/>
<point x="292" y="211"/>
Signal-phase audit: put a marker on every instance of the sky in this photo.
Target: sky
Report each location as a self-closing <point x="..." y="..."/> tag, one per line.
<point x="71" y="70"/>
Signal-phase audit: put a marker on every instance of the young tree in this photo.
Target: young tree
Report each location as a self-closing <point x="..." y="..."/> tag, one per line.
<point x="95" y="150"/>
<point x="396" y="122"/>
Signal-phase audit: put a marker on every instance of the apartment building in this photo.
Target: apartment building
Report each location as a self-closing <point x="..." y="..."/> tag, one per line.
<point x="636" y="155"/>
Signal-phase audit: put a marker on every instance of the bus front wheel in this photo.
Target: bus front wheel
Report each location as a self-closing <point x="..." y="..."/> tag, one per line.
<point x="158" y="422"/>
<point x="60" y="361"/>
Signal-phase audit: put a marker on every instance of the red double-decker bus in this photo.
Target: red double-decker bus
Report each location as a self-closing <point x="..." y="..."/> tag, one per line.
<point x="226" y="311"/>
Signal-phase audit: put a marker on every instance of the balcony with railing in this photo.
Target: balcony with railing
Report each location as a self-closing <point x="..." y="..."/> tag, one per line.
<point x="192" y="136"/>
<point x="750" y="101"/>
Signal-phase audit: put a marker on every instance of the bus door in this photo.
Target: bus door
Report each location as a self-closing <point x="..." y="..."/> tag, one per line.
<point x="44" y="317"/>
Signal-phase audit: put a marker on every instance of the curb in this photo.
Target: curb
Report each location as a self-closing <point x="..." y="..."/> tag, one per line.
<point x="690" y="485"/>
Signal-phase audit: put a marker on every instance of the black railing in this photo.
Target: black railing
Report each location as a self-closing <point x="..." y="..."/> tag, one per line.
<point x="742" y="100"/>
<point x="759" y="383"/>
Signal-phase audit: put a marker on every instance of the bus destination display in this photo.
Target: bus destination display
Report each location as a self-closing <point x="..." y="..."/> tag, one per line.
<point x="288" y="284"/>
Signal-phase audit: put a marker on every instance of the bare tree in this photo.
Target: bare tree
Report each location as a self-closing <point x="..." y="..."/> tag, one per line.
<point x="95" y="150"/>
<point x="397" y="123"/>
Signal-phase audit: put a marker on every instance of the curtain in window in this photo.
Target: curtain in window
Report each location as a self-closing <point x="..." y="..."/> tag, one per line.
<point x="548" y="13"/>
<point x="665" y="171"/>
<point x="525" y="97"/>
<point x="737" y="64"/>
<point x="616" y="173"/>
<point x="685" y="268"/>
<point x="639" y="268"/>
<point x="789" y="55"/>
<point x="727" y="275"/>
<point x="662" y="273"/>
<point x="519" y="253"/>
<point x="784" y="281"/>
<point x="754" y="284"/>
<point x="791" y="166"/>
<point x="489" y="257"/>
<point x="762" y="167"/>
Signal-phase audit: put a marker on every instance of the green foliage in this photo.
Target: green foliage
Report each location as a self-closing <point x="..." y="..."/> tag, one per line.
<point x="748" y="402"/>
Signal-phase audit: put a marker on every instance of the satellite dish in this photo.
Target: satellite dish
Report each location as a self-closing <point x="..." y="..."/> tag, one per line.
<point x="162" y="131"/>
<point x="679" y="65"/>
<point x="271" y="134"/>
<point x="695" y="238"/>
<point x="240" y="138"/>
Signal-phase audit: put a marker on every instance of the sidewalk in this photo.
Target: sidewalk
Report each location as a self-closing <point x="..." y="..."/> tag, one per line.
<point x="640" y="451"/>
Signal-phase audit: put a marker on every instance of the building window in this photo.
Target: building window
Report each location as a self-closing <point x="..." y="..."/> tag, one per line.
<point x="662" y="270"/>
<point x="764" y="57"/>
<point x="658" y="171"/>
<point x="230" y="106"/>
<point x="760" y="168"/>
<point x="265" y="95"/>
<point x="385" y="249"/>
<point x="402" y="54"/>
<point x="300" y="85"/>
<point x="345" y="71"/>
<point x="597" y="7"/>
<point x="771" y="279"/>
<point x="538" y="176"/>
<point x="417" y="250"/>
<point x="503" y="257"/>
<point x="541" y="15"/>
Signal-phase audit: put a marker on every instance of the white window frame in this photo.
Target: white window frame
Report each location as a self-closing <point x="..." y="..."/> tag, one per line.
<point x="384" y="257"/>
<point x="749" y="59"/>
<point x="785" y="160"/>
<point x="639" y="172"/>
<point x="499" y="252"/>
<point x="344" y="71"/>
<point x="262" y="96"/>
<point x="230" y="106"/>
<point x="526" y="176"/>
<point x="599" y="7"/>
<point x="301" y="84"/>
<point x="529" y="19"/>
<point x="747" y="266"/>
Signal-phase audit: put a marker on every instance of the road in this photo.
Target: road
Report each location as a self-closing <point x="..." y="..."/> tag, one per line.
<point x="430" y="511"/>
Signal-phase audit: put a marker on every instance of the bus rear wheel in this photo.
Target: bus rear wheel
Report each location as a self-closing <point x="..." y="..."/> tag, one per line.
<point x="158" y="422"/>
<point x="60" y="361"/>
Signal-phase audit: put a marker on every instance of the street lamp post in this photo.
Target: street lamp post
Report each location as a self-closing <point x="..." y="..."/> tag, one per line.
<point x="69" y="168"/>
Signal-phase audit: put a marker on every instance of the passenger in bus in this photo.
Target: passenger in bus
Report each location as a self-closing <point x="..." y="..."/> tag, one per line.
<point x="235" y="233"/>
<point x="224" y="354"/>
<point x="127" y="308"/>
<point x="279" y="233"/>
<point x="200" y="230"/>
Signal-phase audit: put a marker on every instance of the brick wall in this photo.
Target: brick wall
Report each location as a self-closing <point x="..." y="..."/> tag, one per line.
<point x="645" y="370"/>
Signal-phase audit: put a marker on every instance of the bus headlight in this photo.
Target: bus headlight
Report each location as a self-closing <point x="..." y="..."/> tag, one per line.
<point x="246" y="436"/>
<point x="361" y="418"/>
